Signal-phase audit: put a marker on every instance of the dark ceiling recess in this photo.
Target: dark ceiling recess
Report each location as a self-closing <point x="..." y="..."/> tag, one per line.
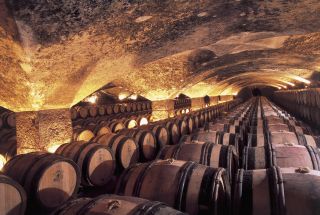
<point x="256" y="92"/>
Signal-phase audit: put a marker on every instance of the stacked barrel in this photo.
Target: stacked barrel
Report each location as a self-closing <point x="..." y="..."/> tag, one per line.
<point x="304" y="103"/>
<point x="280" y="166"/>
<point x="234" y="158"/>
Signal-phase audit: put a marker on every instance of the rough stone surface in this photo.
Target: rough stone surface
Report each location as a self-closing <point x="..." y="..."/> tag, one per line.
<point x="162" y="109"/>
<point x="55" y="53"/>
<point x="39" y="130"/>
<point x="197" y="103"/>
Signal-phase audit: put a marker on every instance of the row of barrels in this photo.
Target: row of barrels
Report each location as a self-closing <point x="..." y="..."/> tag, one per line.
<point x="308" y="112"/>
<point x="280" y="140"/>
<point x="271" y="190"/>
<point x="102" y="110"/>
<point x="218" y="143"/>
<point x="186" y="186"/>
<point x="52" y="179"/>
<point x="307" y="97"/>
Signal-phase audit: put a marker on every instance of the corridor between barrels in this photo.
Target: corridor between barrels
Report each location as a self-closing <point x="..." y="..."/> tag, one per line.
<point x="159" y="107"/>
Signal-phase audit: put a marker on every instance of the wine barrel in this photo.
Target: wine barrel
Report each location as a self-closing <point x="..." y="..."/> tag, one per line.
<point x="96" y="161"/>
<point x="49" y="179"/>
<point x="185" y="185"/>
<point x="115" y="126"/>
<point x="255" y="140"/>
<point x="182" y="125"/>
<point x="317" y="97"/>
<point x="144" y="105"/>
<point x="109" y="109"/>
<point x="202" y="136"/>
<point x="125" y="149"/>
<point x="291" y="138"/>
<point x="73" y="113"/>
<point x="129" y="123"/>
<point x="174" y="133"/>
<point x="101" y="129"/>
<point x="13" y="197"/>
<point x="116" y="108"/>
<point x="128" y="107"/>
<point x="101" y="110"/>
<point x="148" y="147"/>
<point x="82" y="112"/>
<point x="160" y="132"/>
<point x="279" y="128"/>
<point x="8" y="143"/>
<point x="71" y="207"/>
<point x="8" y="119"/>
<point x="80" y="134"/>
<point x="209" y="154"/>
<point x="190" y="124"/>
<point x="114" y="204"/>
<point x="93" y="111"/>
<point x="149" y="105"/>
<point x="196" y="122"/>
<point x="216" y="127"/>
<point x="122" y="108"/>
<point x="225" y="138"/>
<point x="139" y="106"/>
<point x="133" y="107"/>
<point x="282" y="156"/>
<point x="277" y="191"/>
<point x="142" y="120"/>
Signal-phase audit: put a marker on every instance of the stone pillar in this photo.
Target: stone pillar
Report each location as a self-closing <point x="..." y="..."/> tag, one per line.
<point x="197" y="103"/>
<point x="162" y="109"/>
<point x="214" y="100"/>
<point x="42" y="130"/>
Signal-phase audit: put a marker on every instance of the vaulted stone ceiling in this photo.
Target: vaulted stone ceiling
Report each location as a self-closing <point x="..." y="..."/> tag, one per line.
<point x="54" y="53"/>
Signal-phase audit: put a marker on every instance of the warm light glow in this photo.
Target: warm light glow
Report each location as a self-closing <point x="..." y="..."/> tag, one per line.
<point x="122" y="96"/>
<point x="144" y="121"/>
<point x="3" y="161"/>
<point x="92" y="99"/>
<point x="206" y="105"/>
<point x="132" y="123"/>
<point x="134" y="97"/>
<point x="298" y="78"/>
<point x="187" y="110"/>
<point x="279" y="88"/>
<point x="287" y="82"/>
<point x="235" y="93"/>
<point x="183" y="111"/>
<point x="53" y="148"/>
<point x="285" y="87"/>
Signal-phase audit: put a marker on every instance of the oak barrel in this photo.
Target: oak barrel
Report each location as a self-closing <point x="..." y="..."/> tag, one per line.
<point x="114" y="204"/>
<point x="209" y="154"/>
<point x="277" y="191"/>
<point x="49" y="179"/>
<point x="281" y="155"/>
<point x="13" y="197"/>
<point x="184" y="185"/>
<point x="8" y="119"/>
<point x="160" y="132"/>
<point x="148" y="147"/>
<point x="174" y="133"/>
<point x="115" y="126"/>
<point x="93" y="111"/>
<point x="101" y="110"/>
<point x="125" y="149"/>
<point x="82" y="112"/>
<point x="96" y="161"/>
<point x="80" y="134"/>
